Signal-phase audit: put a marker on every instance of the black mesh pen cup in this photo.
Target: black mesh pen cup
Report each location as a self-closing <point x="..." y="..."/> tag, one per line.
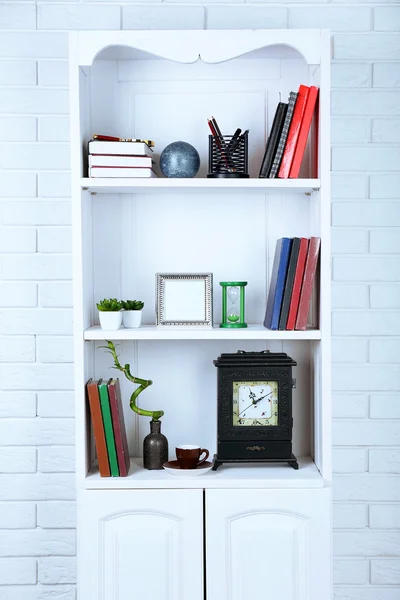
<point x="228" y="156"/>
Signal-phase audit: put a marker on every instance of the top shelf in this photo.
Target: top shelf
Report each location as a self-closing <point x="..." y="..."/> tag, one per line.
<point x="136" y="186"/>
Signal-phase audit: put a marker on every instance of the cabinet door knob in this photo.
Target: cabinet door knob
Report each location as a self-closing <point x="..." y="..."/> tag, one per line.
<point x="255" y="448"/>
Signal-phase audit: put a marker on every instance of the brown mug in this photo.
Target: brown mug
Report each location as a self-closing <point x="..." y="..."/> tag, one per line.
<point x="189" y="456"/>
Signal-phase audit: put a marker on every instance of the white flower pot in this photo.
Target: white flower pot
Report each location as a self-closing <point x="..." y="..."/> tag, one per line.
<point x="110" y="319"/>
<point x="132" y="318"/>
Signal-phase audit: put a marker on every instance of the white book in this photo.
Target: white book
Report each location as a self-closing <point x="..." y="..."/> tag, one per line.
<point x="137" y="172"/>
<point x="120" y="148"/>
<point x="102" y="160"/>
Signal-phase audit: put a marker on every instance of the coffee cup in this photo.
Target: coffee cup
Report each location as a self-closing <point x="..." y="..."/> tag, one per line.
<point x="188" y="456"/>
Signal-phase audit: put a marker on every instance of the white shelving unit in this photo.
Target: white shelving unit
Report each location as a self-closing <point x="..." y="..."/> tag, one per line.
<point x="194" y="533"/>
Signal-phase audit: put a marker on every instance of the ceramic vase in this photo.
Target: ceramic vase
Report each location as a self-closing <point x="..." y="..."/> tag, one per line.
<point x="155" y="448"/>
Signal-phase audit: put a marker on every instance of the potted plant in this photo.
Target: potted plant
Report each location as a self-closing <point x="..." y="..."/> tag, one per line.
<point x="110" y="314"/>
<point x="155" y="444"/>
<point x="132" y="313"/>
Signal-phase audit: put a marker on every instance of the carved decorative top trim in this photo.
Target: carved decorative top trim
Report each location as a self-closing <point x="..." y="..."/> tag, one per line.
<point x="188" y="46"/>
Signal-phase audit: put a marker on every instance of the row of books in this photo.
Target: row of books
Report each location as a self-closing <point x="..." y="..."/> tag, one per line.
<point x="292" y="281"/>
<point x="287" y="141"/>
<point x="120" y="158"/>
<point x="108" y="427"/>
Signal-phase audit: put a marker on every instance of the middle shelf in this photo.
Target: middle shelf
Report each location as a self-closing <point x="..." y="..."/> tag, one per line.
<point x="151" y="332"/>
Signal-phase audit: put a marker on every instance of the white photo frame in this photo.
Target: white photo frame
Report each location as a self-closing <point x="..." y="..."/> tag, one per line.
<point x="184" y="300"/>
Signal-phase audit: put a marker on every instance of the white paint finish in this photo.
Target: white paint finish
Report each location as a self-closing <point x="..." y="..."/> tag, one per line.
<point x="53" y="129"/>
<point x="16" y="294"/>
<point x="17" y="571"/>
<point x="349" y="515"/>
<point x="78" y="16"/>
<point x="123" y="534"/>
<point x="384" y="516"/>
<point x="15" y="185"/>
<point x="17" y="515"/>
<point x="58" y="515"/>
<point x="351" y="406"/>
<point x="18" y="404"/>
<point x="132" y="186"/>
<point x="21" y="72"/>
<point x="229" y="477"/>
<point x="55" y="404"/>
<point x="151" y="332"/>
<point x="206" y="43"/>
<point x="286" y="539"/>
<point x="18" y="129"/>
<point x="384" y="406"/>
<point x="103" y="268"/>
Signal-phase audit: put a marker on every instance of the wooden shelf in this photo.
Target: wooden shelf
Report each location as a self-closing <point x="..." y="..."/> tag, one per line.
<point x="151" y="332"/>
<point x="227" y="476"/>
<point x="199" y="185"/>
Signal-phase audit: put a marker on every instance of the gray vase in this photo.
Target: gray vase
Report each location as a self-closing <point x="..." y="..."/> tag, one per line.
<point x="155" y="448"/>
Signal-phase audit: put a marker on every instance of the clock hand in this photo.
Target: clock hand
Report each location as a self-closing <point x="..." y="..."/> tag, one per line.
<point x="244" y="410"/>
<point x="262" y="397"/>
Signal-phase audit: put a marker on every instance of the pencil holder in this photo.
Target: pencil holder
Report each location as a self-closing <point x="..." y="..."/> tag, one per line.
<point x="228" y="156"/>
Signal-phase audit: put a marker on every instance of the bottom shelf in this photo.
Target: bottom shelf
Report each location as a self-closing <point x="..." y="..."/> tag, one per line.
<point x="227" y="476"/>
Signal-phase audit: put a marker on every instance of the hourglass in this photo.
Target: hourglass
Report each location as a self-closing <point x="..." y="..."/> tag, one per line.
<point x="233" y="303"/>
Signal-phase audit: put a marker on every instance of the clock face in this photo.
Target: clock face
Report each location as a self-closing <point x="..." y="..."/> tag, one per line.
<point x="255" y="403"/>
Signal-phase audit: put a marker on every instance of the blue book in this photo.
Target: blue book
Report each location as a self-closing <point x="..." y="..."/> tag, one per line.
<point x="277" y="283"/>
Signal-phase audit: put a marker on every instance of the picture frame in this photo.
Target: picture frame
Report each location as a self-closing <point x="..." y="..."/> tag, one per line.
<point x="184" y="300"/>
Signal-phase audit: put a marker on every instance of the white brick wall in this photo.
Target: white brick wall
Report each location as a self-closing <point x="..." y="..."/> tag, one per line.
<point x="37" y="509"/>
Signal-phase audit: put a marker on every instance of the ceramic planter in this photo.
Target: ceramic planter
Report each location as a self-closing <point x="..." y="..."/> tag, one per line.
<point x="110" y="320"/>
<point x="131" y="318"/>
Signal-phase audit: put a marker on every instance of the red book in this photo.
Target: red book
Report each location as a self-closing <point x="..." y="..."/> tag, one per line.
<point x="117" y="414"/>
<point x="303" y="133"/>
<point x="98" y="427"/>
<point x="298" y="278"/>
<point x="294" y="131"/>
<point x="308" y="281"/>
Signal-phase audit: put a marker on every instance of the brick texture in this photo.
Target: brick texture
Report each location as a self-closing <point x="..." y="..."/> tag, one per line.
<point x="37" y="507"/>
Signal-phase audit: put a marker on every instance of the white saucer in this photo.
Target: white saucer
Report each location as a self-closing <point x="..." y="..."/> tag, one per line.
<point x="173" y="468"/>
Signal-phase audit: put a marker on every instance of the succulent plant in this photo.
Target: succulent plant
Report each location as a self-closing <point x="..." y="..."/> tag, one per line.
<point x="109" y="305"/>
<point x="132" y="304"/>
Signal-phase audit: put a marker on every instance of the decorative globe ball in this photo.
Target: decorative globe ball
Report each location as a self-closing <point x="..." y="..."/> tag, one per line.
<point x="179" y="159"/>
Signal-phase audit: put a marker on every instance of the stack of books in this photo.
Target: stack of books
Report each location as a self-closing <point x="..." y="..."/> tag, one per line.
<point x="289" y="133"/>
<point x="292" y="281"/>
<point x="108" y="427"/>
<point x="120" y="158"/>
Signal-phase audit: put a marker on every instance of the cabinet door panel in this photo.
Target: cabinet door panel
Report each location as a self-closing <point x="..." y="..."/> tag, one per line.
<point x="141" y="544"/>
<point x="268" y="544"/>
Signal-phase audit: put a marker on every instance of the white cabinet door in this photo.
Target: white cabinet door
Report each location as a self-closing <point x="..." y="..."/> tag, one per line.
<point x="142" y="545"/>
<point x="268" y="544"/>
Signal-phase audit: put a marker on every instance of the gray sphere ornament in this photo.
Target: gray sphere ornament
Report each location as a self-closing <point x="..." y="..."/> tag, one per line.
<point x="179" y="159"/>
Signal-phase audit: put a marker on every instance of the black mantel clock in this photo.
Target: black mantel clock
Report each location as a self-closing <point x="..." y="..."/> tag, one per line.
<point x="255" y="408"/>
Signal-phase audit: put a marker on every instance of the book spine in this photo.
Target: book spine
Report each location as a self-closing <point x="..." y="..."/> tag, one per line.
<point x="273" y="139"/>
<point x="98" y="427"/>
<point x="280" y="284"/>
<point x="298" y="279"/>
<point x="123" y="428"/>
<point x="272" y="284"/>
<point x="287" y="294"/>
<point x="108" y="428"/>
<point x="282" y="141"/>
<point x="293" y="134"/>
<point x="303" y="134"/>
<point x="119" y="428"/>
<point x="116" y="428"/>
<point x="308" y="280"/>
